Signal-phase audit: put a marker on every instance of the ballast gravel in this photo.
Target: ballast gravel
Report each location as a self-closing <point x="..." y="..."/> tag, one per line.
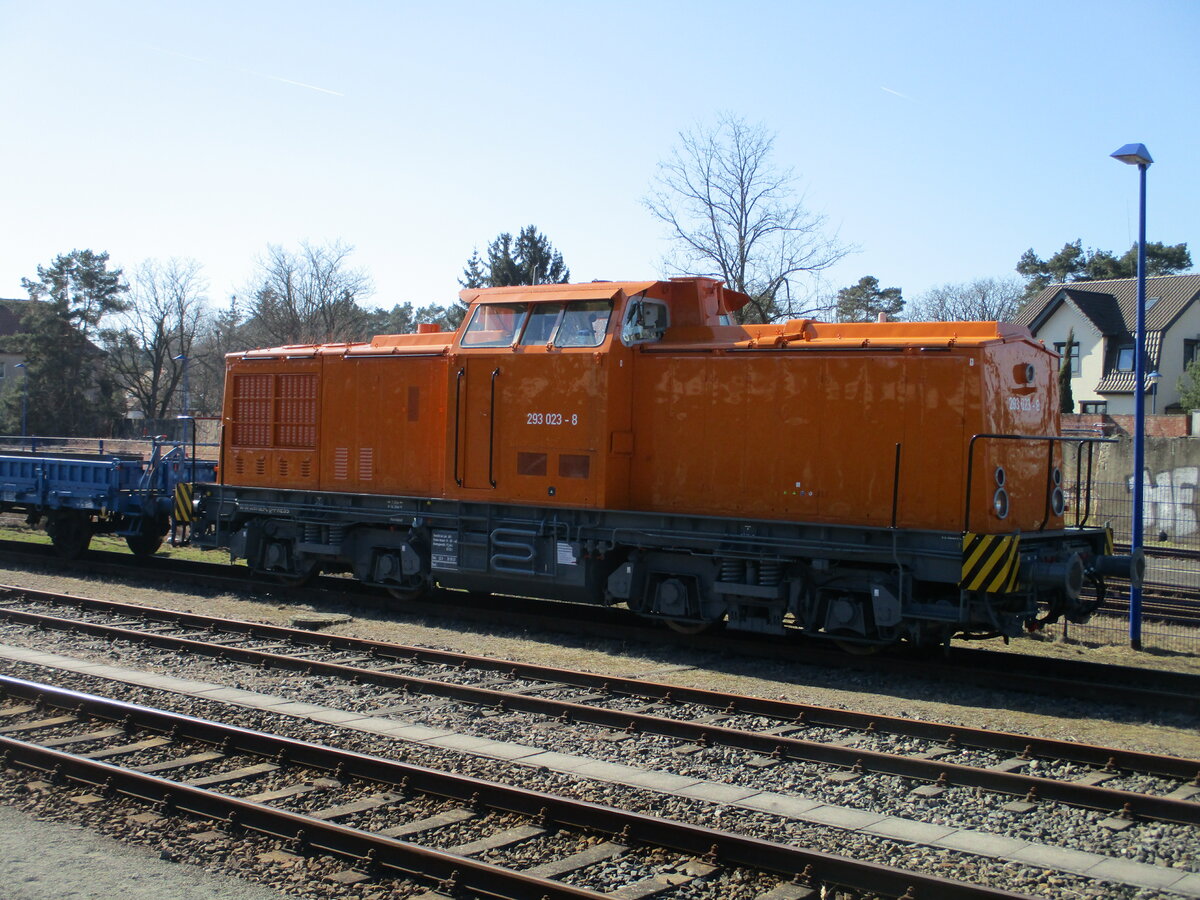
<point x="1095" y="723"/>
<point x="1022" y="878"/>
<point x="1053" y="824"/>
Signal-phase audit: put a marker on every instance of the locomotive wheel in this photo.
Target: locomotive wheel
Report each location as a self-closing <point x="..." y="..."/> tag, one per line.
<point x="689" y="626"/>
<point x="856" y="649"/>
<point x="298" y="579"/>
<point x="70" y="533"/>
<point x="409" y="594"/>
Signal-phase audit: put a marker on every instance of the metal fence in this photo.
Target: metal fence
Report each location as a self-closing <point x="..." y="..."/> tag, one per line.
<point x="1171" y="595"/>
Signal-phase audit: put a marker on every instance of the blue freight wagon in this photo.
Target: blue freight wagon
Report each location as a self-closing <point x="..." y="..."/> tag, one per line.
<point x="79" y="495"/>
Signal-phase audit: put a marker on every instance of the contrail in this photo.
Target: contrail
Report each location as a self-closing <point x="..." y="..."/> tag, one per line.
<point x="311" y="87"/>
<point x="209" y="62"/>
<point x="897" y="93"/>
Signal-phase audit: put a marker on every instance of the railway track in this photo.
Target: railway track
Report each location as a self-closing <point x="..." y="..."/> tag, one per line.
<point x="851" y="744"/>
<point x="1144" y="689"/>
<point x="1174" y="599"/>
<point x="388" y="819"/>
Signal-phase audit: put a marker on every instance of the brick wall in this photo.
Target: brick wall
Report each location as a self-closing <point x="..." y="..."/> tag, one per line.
<point x="1156" y="426"/>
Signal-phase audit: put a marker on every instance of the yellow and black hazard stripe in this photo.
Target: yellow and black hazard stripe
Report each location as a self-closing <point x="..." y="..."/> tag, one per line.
<point x="183" y="502"/>
<point x="991" y="562"/>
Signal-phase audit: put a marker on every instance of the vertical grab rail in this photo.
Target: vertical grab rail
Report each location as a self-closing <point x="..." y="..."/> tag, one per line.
<point x="896" y="487"/>
<point x="492" y="430"/>
<point x="457" y="420"/>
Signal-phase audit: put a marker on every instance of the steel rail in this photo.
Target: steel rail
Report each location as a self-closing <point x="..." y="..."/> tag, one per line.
<point x="801" y="714"/>
<point x="1144" y="689"/>
<point x="717" y="847"/>
<point x="781" y="747"/>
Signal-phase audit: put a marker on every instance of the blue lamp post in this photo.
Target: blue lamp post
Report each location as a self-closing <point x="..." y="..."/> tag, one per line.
<point x="1138" y="155"/>
<point x="24" y="398"/>
<point x="182" y="357"/>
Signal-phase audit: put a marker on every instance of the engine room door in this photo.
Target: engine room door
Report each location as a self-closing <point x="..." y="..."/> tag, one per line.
<point x="479" y="390"/>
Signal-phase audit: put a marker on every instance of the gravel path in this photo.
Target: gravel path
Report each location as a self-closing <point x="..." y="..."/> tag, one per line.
<point x="42" y="860"/>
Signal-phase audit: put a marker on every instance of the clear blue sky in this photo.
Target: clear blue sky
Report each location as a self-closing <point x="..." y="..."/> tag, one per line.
<point x="941" y="138"/>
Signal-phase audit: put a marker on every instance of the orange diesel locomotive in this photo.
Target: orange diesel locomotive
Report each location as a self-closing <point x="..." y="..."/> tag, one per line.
<point x="623" y="443"/>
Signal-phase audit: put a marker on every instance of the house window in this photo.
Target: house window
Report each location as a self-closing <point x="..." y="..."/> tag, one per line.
<point x="1094" y="407"/>
<point x="1059" y="346"/>
<point x="1125" y="358"/>
<point x="1190" y="348"/>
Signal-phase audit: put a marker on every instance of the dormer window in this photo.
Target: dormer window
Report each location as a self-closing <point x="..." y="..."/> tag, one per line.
<point x="1125" y="358"/>
<point x="1061" y="346"/>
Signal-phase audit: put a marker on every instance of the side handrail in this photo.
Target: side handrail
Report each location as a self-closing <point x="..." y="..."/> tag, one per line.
<point x="492" y="430"/>
<point x="457" y="420"/>
<point x="1051" y="441"/>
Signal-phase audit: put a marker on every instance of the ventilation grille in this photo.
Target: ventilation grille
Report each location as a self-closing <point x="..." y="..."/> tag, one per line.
<point x="275" y="410"/>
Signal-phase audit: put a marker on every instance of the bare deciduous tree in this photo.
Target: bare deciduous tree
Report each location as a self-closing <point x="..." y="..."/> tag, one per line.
<point x="221" y="332"/>
<point x="732" y="214"/>
<point x="305" y="297"/>
<point x="981" y="300"/>
<point x="159" y="326"/>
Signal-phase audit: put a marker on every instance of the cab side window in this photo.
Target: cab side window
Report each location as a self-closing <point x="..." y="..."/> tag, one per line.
<point x="494" y="325"/>
<point x="584" y="324"/>
<point x="645" y="321"/>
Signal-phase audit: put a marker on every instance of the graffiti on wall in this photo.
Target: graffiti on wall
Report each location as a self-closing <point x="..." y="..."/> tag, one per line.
<point x="1169" y="501"/>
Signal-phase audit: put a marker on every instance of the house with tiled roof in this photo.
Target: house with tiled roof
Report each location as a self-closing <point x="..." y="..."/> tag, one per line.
<point x="1103" y="315"/>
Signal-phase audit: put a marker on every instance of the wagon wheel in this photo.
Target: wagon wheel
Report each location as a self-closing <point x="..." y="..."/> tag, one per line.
<point x="146" y="542"/>
<point x="143" y="545"/>
<point x="70" y="533"/>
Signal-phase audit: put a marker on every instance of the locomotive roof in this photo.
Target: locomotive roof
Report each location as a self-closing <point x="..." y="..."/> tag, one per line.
<point x="709" y="296"/>
<point x="526" y="293"/>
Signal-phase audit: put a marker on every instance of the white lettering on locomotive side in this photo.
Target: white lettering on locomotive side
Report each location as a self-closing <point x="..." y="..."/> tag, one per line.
<point x="1025" y="404"/>
<point x="546" y="418"/>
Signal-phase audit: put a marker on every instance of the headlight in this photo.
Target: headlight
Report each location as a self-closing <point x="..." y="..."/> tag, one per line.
<point x="1000" y="503"/>
<point x="1001" y="477"/>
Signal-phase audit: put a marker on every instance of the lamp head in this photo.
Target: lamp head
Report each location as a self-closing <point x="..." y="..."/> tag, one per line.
<point x="1133" y="154"/>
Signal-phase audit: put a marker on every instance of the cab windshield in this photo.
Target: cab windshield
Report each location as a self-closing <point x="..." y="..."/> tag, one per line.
<point x="579" y="323"/>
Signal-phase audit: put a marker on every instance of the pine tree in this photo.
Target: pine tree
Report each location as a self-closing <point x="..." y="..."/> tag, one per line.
<point x="530" y="259"/>
<point x="864" y="301"/>
<point x="1066" y="398"/>
<point x="69" y="391"/>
